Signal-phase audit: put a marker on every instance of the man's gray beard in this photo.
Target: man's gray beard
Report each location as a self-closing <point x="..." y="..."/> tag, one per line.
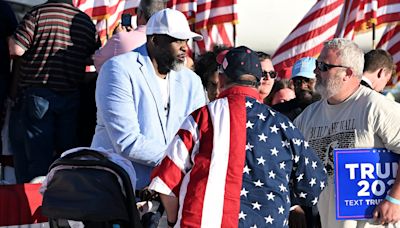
<point x="330" y="89"/>
<point x="178" y="66"/>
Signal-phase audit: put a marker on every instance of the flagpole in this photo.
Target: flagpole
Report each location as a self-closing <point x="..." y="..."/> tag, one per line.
<point x="373" y="36"/>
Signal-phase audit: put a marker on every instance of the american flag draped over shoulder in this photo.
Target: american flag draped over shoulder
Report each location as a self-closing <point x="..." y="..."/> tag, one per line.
<point x="234" y="162"/>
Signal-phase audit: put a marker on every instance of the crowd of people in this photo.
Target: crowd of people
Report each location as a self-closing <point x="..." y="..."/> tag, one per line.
<point x="226" y="142"/>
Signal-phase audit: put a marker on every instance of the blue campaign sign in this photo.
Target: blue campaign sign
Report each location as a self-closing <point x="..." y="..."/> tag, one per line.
<point x="362" y="179"/>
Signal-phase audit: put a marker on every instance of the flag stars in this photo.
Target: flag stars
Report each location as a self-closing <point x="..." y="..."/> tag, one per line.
<point x="249" y="124"/>
<point x="242" y="215"/>
<point x="272" y="112"/>
<point x="296" y="158"/>
<point x="313" y="182"/>
<point x="281" y="210"/>
<point x="269" y="219"/>
<point x="306" y="145"/>
<point x="246" y="169"/>
<point x="322" y="185"/>
<point x="296" y="142"/>
<point x="300" y="177"/>
<point x="243" y="192"/>
<point x="249" y="147"/>
<point x="303" y="195"/>
<point x="255" y="226"/>
<point x="291" y="125"/>
<point x="262" y="137"/>
<point x="271" y="174"/>
<point x="256" y="205"/>
<point x="283" y="126"/>
<point x="261" y="160"/>
<point x="274" y="129"/>
<point x="282" y="188"/>
<point x="282" y="165"/>
<point x="249" y="104"/>
<point x="274" y="151"/>
<point x="314" y="201"/>
<point x="306" y="161"/>
<point x="285" y="143"/>
<point x="258" y="183"/>
<point x="314" y="164"/>
<point x="271" y="196"/>
<point x="261" y="116"/>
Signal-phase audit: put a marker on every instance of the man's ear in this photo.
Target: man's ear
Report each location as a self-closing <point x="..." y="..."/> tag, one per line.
<point x="349" y="73"/>
<point x="380" y="73"/>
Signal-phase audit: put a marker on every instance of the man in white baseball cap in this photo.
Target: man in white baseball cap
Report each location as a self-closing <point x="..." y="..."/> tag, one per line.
<point x="143" y="96"/>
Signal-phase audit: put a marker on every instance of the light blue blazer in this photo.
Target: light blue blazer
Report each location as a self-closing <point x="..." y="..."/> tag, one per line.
<point x="131" y="119"/>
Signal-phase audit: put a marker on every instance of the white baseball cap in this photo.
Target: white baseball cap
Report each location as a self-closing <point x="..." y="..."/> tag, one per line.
<point x="172" y="23"/>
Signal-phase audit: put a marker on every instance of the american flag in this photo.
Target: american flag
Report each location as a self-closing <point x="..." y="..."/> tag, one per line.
<point x="236" y="162"/>
<point x="328" y="19"/>
<point x="359" y="15"/>
<point x="106" y="14"/>
<point x="390" y="41"/>
<point x="317" y="26"/>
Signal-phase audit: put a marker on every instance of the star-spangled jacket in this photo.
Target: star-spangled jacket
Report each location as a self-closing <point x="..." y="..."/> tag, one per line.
<point x="235" y="162"/>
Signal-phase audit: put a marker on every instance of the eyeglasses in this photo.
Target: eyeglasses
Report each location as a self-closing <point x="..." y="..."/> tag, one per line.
<point x="298" y="81"/>
<point x="323" y="67"/>
<point x="272" y="74"/>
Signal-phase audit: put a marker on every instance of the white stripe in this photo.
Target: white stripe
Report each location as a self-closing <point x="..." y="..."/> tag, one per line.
<point x="303" y="47"/>
<point x="158" y="185"/>
<point x="393" y="40"/>
<point x="388" y="9"/>
<point x="215" y="190"/>
<point x="214" y="12"/>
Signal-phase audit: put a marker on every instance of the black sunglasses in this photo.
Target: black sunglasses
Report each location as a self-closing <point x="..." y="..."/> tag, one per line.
<point x="323" y="67"/>
<point x="272" y="74"/>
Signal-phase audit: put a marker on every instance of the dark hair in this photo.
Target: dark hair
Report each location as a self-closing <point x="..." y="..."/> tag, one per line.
<point x="149" y="7"/>
<point x="263" y="56"/>
<point x="376" y="59"/>
<point x="206" y="64"/>
<point x="278" y="85"/>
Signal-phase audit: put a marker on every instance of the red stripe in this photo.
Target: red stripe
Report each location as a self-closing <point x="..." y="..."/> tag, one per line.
<point x="224" y="35"/>
<point x="237" y="154"/>
<point x="215" y="20"/>
<point x="173" y="178"/>
<point x="193" y="205"/>
<point x="207" y="5"/>
<point x="318" y="13"/>
<point x="307" y="36"/>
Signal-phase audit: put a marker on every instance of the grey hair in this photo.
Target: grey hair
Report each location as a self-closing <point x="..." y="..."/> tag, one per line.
<point x="150" y="7"/>
<point x="350" y="54"/>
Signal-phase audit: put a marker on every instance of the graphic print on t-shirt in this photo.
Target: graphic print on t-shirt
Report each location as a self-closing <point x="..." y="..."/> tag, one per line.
<point x="324" y="139"/>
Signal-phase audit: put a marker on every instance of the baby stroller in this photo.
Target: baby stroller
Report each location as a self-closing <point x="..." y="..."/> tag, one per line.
<point x="90" y="193"/>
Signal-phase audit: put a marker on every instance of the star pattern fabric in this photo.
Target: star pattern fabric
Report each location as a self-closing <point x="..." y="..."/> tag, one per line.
<point x="238" y="163"/>
<point x="279" y="163"/>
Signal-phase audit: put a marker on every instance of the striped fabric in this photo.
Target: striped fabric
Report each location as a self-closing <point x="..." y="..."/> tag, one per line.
<point x="359" y="14"/>
<point x="390" y="41"/>
<point x="231" y="164"/>
<point x="57" y="38"/>
<point x="106" y="14"/>
<point x="318" y="25"/>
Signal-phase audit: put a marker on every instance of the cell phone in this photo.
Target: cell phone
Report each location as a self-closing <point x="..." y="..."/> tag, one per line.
<point x="126" y="20"/>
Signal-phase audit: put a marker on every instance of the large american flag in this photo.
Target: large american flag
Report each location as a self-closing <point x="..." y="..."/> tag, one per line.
<point x="215" y="20"/>
<point x="317" y="26"/>
<point x="332" y="18"/>
<point x="390" y="41"/>
<point x="235" y="163"/>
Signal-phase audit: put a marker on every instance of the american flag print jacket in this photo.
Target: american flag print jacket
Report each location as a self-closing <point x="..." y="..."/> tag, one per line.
<point x="237" y="163"/>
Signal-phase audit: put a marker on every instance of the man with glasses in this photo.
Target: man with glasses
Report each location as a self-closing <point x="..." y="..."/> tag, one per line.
<point x="303" y="79"/>
<point x="350" y="116"/>
<point x="269" y="74"/>
<point x="378" y="69"/>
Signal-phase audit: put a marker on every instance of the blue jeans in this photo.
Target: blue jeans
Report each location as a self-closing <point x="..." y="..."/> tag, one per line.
<point x="43" y="123"/>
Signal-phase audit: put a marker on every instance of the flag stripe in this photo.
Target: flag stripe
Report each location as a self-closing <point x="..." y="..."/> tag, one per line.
<point x="390" y="41"/>
<point x="237" y="157"/>
<point x="213" y="206"/>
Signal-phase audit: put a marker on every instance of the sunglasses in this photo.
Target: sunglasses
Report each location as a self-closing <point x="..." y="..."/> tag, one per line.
<point x="323" y="67"/>
<point x="272" y="74"/>
<point x="298" y="81"/>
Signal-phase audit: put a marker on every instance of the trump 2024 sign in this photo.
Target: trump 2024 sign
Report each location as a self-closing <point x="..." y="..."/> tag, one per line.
<point x="362" y="179"/>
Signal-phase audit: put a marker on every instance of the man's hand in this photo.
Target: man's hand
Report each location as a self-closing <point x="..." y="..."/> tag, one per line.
<point x="387" y="212"/>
